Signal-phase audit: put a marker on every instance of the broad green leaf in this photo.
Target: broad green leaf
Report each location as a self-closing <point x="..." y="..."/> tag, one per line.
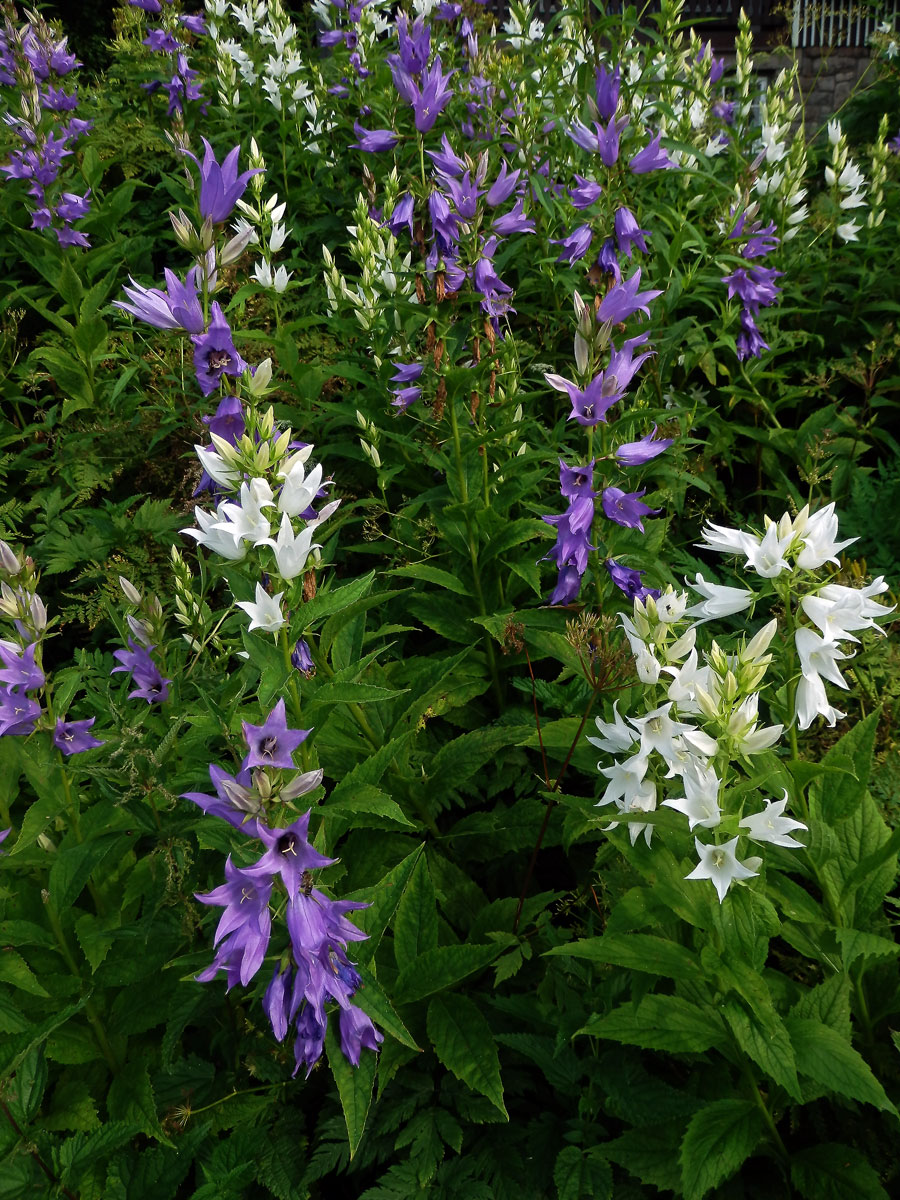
<point x="354" y="1085"/>
<point x="661" y="1023"/>
<point x="382" y="899"/>
<point x="430" y="574"/>
<point x="650" y="1154"/>
<point x="463" y="1042"/>
<point x="581" y="1175"/>
<point x="764" y="1038"/>
<point x="50" y="803"/>
<point x="83" y="1151"/>
<point x="73" y="865"/>
<point x="367" y="799"/>
<point x="131" y="1099"/>
<point x="441" y="968"/>
<point x="372" y="1000"/>
<point x="14" y="1050"/>
<point x="638" y="952"/>
<point x="718" y="1140"/>
<point x="834" y="1172"/>
<point x="828" y="1002"/>
<point x="839" y="795"/>
<point x="342" y="692"/>
<point x="415" y="925"/>
<point x="15" y="970"/>
<point x="26" y="1090"/>
<point x="828" y="1058"/>
<point x="73" y="1108"/>
<point x="324" y="603"/>
<point x="854" y="944"/>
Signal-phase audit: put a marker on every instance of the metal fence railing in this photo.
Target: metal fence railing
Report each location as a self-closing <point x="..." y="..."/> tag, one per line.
<point x="811" y="22"/>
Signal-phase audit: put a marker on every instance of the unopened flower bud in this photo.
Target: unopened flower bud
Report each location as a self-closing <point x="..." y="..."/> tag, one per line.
<point x="9" y="561"/>
<point x="233" y="249"/>
<point x="38" y="613"/>
<point x="258" y="381"/>
<point x="132" y="595"/>
<point x="185" y="233"/>
<point x="263" y="784"/>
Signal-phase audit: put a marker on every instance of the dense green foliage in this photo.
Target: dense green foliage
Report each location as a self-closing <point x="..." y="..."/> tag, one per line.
<point x="564" y="1013"/>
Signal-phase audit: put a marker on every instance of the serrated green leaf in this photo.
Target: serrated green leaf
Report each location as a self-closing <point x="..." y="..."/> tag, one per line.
<point x="382" y="899"/>
<point x="73" y="1108"/>
<point x="73" y="865"/>
<point x="50" y="803"/>
<point x="463" y="1042"/>
<point x="430" y="574"/>
<point x="367" y="799"/>
<point x="16" y="971"/>
<point x="354" y="1085"/>
<point x="834" y="1172"/>
<point x="441" y="968"/>
<point x="581" y="1175"/>
<point x="372" y="999"/>
<point x="415" y="925"/>
<point x="718" y="1140"/>
<point x="131" y="1099"/>
<point x="82" y="1152"/>
<point x="839" y="795"/>
<point x="854" y="944"/>
<point x="650" y="1154"/>
<point x="636" y="951"/>
<point x="26" y="1089"/>
<point x="828" y="1058"/>
<point x="763" y="1038"/>
<point x="661" y="1023"/>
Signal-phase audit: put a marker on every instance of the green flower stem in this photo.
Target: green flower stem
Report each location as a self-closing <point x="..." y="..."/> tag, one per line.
<point x="90" y="1008"/>
<point x="473" y="554"/>
<point x="264" y="1087"/>
<point x="64" y="1191"/>
<point x="295" y="694"/>
<point x="769" y="1120"/>
<point x="361" y="719"/>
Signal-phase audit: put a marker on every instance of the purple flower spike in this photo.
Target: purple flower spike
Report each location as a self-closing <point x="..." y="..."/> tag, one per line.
<point x="18" y="714"/>
<point x="214" y="353"/>
<point x="310" y="1040"/>
<point x="272" y="744"/>
<point x="72" y="737"/>
<point x="235" y="801"/>
<point x="176" y="308"/>
<point x="357" y="1031"/>
<point x="20" y="670"/>
<point x="630" y="581"/>
<point x="503" y="187"/>
<point x="144" y="672"/>
<point x="585" y="194"/>
<point x="373" y="141"/>
<point x="244" y="928"/>
<point x="576" y="245"/>
<point x="634" y="454"/>
<point x="625" y="299"/>
<point x="290" y="855"/>
<point x="628" y="234"/>
<point x="607" y="91"/>
<point x="302" y="660"/>
<point x="402" y="216"/>
<point x="651" y="158"/>
<point x="434" y="96"/>
<point x="625" y="508"/>
<point x="220" y="184"/>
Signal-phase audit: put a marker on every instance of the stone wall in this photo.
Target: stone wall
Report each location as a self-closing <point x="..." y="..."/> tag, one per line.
<point x="828" y="74"/>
